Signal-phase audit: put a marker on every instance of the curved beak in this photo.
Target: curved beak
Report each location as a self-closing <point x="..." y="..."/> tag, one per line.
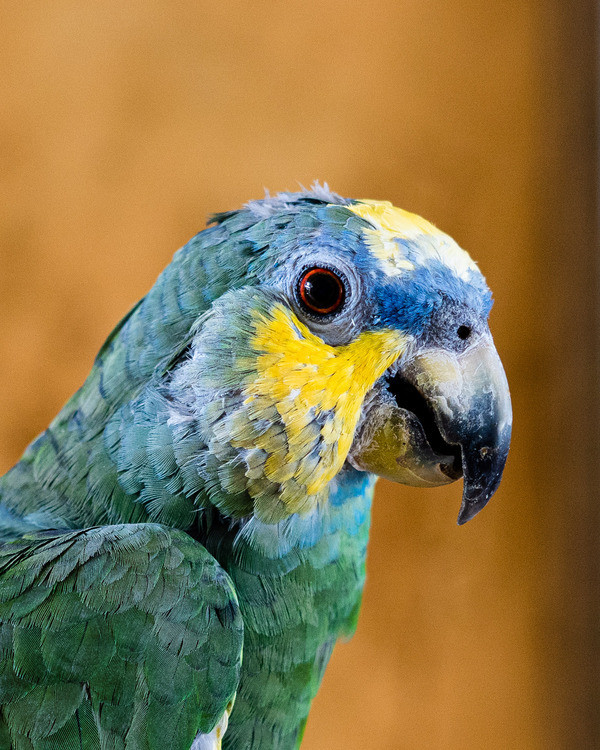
<point x="469" y="397"/>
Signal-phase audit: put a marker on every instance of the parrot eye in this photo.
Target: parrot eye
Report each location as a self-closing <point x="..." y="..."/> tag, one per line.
<point x="321" y="291"/>
<point x="463" y="332"/>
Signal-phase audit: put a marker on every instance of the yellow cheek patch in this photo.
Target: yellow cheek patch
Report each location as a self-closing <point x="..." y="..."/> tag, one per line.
<point x="304" y="377"/>
<point x="391" y="223"/>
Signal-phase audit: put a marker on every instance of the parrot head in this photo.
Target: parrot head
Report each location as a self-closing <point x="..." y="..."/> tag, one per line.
<point x="356" y="334"/>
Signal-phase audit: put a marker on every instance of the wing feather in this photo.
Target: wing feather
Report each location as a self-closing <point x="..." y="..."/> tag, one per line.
<point x="114" y="638"/>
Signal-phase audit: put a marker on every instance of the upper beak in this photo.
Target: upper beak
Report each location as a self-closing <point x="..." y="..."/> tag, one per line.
<point x="468" y="394"/>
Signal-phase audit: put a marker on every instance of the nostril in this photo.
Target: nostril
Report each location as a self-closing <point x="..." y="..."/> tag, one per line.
<point x="463" y="332"/>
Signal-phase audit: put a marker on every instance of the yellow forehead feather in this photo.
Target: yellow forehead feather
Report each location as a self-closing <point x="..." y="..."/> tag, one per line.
<point x="396" y="221"/>
<point x="390" y="224"/>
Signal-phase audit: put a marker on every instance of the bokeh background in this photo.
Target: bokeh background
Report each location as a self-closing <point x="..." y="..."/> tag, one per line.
<point x="123" y="125"/>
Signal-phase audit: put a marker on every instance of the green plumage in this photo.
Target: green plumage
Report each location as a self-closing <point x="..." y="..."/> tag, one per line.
<point x="115" y="637"/>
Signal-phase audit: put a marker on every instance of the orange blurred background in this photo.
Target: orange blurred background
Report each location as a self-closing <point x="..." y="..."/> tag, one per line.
<point x="122" y="125"/>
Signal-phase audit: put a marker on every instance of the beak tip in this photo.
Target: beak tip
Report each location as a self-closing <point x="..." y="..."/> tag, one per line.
<point x="482" y="476"/>
<point x="465" y="516"/>
<point x="472" y="505"/>
<point x="467" y="512"/>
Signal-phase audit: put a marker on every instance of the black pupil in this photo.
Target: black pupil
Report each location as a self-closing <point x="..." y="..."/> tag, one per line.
<point x="463" y="332"/>
<point x="323" y="291"/>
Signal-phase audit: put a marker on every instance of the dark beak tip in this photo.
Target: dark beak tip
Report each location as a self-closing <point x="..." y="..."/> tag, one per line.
<point x="469" y="511"/>
<point x="475" y="498"/>
<point x="482" y="476"/>
<point x="475" y="501"/>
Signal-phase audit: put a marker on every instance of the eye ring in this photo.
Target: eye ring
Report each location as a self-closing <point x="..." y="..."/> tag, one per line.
<point x="321" y="291"/>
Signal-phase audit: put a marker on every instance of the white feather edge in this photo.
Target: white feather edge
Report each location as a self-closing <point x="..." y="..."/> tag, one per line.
<point x="212" y="740"/>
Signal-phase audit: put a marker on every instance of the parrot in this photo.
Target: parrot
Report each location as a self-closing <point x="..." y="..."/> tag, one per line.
<point x="182" y="547"/>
